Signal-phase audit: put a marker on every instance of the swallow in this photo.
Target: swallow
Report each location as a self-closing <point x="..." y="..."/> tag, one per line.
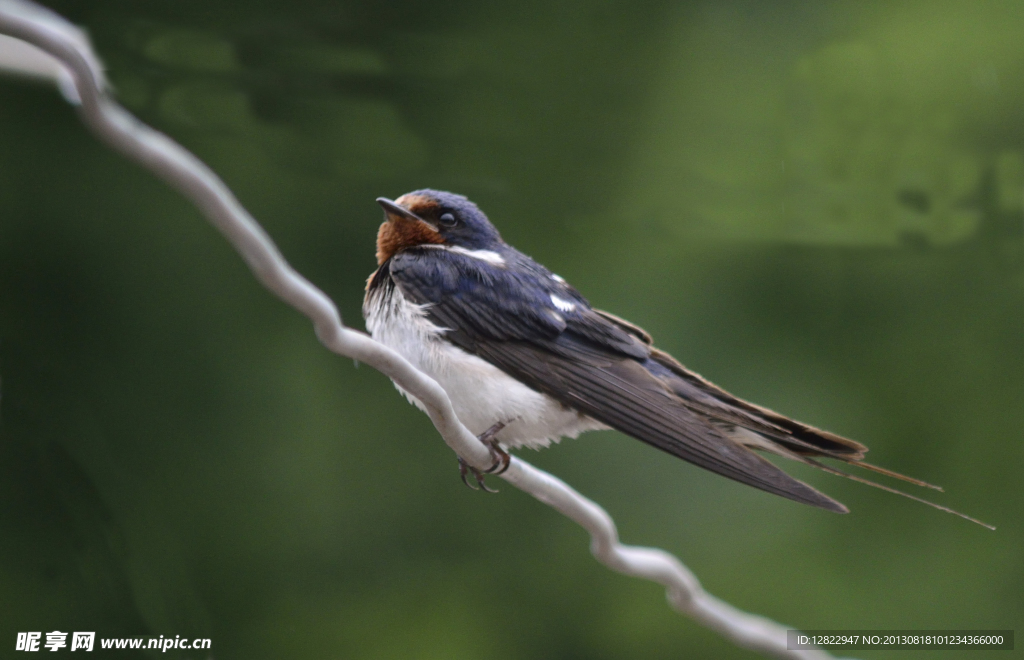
<point x="526" y="360"/>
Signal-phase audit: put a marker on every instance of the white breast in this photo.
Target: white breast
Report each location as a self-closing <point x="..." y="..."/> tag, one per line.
<point x="481" y="394"/>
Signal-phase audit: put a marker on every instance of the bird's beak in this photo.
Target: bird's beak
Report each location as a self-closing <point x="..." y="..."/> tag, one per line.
<point x="394" y="212"/>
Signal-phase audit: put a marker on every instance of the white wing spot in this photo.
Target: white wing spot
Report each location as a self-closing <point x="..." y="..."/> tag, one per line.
<point x="558" y="278"/>
<point x="562" y="305"/>
<point x="490" y="256"/>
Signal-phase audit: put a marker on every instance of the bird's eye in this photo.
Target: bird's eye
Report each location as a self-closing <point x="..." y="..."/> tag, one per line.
<point x="447" y="219"/>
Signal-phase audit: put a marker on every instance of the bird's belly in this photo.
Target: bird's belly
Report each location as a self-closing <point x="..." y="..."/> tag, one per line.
<point x="481" y="394"/>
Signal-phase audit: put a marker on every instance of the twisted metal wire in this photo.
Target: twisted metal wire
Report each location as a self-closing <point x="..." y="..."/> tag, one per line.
<point x="62" y="53"/>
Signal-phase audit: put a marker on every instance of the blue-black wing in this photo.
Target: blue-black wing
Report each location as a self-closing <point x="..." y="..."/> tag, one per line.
<point x="542" y="332"/>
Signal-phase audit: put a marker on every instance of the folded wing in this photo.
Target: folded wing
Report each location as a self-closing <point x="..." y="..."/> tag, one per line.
<point x="543" y="333"/>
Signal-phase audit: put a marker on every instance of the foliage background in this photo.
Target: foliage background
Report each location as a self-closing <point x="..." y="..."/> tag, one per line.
<point x="818" y="205"/>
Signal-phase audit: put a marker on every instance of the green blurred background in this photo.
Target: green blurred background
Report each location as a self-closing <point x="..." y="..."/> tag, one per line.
<point x="818" y="205"/>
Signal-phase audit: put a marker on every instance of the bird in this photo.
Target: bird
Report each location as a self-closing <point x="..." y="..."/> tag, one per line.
<point x="526" y="360"/>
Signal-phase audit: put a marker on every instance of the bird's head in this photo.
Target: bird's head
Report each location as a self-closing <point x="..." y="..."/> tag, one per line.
<point x="433" y="217"/>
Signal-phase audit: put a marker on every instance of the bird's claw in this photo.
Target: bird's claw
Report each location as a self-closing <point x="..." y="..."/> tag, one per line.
<point x="465" y="468"/>
<point x="502" y="460"/>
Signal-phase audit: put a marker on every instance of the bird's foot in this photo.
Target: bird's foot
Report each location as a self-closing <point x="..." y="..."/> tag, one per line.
<point x="502" y="459"/>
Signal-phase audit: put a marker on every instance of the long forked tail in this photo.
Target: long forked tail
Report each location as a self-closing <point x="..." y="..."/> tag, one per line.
<point x="803" y="451"/>
<point x="765" y="430"/>
<point x="810" y="454"/>
<point x="840" y="473"/>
